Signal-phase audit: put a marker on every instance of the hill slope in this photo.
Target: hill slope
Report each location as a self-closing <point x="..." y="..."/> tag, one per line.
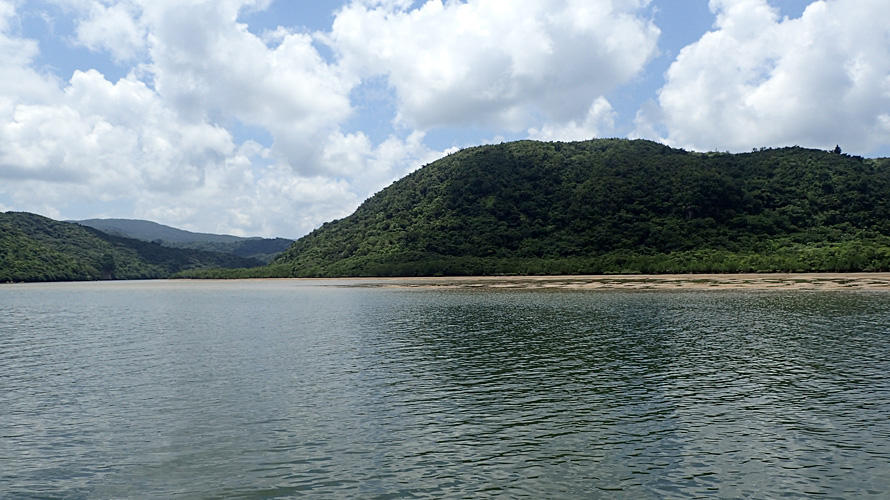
<point x="605" y="206"/>
<point x="263" y="249"/>
<point x="35" y="248"/>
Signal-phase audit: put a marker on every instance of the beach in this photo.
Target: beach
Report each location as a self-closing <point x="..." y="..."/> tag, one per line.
<point x="771" y="281"/>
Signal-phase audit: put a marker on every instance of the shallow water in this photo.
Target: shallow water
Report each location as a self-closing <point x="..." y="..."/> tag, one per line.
<point x="295" y="388"/>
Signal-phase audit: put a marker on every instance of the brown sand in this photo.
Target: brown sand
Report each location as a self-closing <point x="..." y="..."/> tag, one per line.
<point x="790" y="281"/>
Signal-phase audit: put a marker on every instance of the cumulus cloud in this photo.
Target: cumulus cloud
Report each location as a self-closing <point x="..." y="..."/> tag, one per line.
<point x="507" y="64"/>
<point x="599" y="122"/>
<point x="18" y="81"/>
<point x="108" y="140"/>
<point x="158" y="142"/>
<point x="760" y="80"/>
<point x="113" y="28"/>
<point x="208" y="64"/>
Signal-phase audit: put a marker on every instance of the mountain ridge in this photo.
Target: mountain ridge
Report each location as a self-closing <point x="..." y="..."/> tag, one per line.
<point x="262" y="249"/>
<point x="530" y="208"/>
<point x="609" y="206"/>
<point x="37" y="248"/>
<point x="150" y="230"/>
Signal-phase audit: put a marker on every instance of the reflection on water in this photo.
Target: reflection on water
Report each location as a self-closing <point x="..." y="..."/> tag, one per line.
<point x="277" y="389"/>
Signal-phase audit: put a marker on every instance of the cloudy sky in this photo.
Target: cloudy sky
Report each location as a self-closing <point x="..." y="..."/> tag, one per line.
<point x="270" y="117"/>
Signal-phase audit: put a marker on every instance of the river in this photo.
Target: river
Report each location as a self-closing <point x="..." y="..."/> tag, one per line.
<point x="336" y="389"/>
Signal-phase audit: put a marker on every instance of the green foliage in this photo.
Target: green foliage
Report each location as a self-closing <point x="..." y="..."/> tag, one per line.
<point x="606" y="206"/>
<point x="35" y="248"/>
<point x="262" y="249"/>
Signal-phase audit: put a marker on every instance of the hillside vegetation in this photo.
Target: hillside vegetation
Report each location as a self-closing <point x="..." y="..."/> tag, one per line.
<point x="609" y="206"/>
<point x="262" y="249"/>
<point x="35" y="248"/>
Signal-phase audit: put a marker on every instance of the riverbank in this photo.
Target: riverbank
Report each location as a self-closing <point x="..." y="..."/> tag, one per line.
<point x="781" y="281"/>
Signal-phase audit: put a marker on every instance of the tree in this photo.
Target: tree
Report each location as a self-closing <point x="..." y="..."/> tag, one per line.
<point x="107" y="266"/>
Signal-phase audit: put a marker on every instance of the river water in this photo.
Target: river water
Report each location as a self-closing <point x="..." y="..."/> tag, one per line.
<point x="280" y="389"/>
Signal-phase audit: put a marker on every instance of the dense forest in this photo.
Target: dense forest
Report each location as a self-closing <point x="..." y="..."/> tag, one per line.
<point x="609" y="206"/>
<point x="262" y="249"/>
<point x="35" y="248"/>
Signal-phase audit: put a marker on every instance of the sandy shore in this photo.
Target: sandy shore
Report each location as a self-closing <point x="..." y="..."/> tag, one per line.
<point x="816" y="281"/>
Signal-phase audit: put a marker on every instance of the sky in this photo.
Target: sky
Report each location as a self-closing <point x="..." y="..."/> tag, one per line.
<point x="271" y="117"/>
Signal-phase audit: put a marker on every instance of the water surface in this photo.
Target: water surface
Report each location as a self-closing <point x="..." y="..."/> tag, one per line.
<point x="298" y="388"/>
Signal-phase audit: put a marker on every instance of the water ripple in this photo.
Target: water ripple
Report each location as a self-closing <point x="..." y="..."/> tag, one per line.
<point x="279" y="390"/>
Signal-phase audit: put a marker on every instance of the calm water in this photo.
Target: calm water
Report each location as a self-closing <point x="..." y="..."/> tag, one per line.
<point x="292" y="389"/>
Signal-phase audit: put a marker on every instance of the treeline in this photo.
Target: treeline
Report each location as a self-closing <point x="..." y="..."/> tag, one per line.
<point x="610" y="206"/>
<point x="794" y="258"/>
<point x="261" y="249"/>
<point x="35" y="248"/>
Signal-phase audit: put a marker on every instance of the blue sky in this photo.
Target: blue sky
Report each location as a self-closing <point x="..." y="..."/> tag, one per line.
<point x="270" y="117"/>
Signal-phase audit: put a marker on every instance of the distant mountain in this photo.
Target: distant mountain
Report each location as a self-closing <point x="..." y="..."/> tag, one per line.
<point x="608" y="206"/>
<point x="149" y="231"/>
<point x="263" y="249"/>
<point x="35" y="248"/>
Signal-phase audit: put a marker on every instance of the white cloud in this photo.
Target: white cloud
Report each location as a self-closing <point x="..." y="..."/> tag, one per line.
<point x="647" y="122"/>
<point x="103" y="141"/>
<point x="758" y="80"/>
<point x="113" y="28"/>
<point x="209" y="65"/>
<point x="107" y="141"/>
<point x="599" y="122"/>
<point x="18" y="81"/>
<point x="507" y="64"/>
<point x="368" y="165"/>
<point x="157" y="141"/>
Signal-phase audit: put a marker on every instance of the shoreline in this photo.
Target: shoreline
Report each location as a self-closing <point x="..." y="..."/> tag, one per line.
<point x="860" y="281"/>
<point x="765" y="281"/>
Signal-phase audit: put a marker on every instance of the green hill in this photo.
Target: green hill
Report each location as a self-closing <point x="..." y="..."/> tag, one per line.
<point x="35" y="248"/>
<point x="608" y="206"/>
<point x="263" y="249"/>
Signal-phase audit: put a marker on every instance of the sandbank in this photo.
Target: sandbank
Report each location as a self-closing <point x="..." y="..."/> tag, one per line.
<point x="771" y="281"/>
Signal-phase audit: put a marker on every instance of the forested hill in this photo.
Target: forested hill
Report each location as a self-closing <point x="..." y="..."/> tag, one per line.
<point x="35" y="248"/>
<point x="614" y="205"/>
<point x="263" y="249"/>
